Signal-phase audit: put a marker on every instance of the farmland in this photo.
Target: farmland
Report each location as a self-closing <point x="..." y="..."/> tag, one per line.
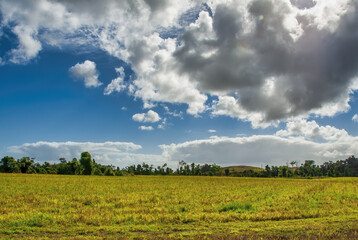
<point x="91" y="207"/>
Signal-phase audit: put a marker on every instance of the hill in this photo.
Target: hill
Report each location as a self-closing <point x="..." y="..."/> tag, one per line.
<point x="238" y="169"/>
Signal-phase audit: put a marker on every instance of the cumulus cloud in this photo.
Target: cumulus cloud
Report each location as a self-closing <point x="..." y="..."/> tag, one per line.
<point x="300" y="140"/>
<point x="269" y="60"/>
<point x="120" y="154"/>
<point x="146" y="128"/>
<point x="87" y="72"/>
<point x="355" y="118"/>
<point x="51" y="151"/>
<point x="117" y="84"/>
<point x="150" y="116"/>
<point x="259" y="150"/>
<point x="311" y="130"/>
<point x="276" y="58"/>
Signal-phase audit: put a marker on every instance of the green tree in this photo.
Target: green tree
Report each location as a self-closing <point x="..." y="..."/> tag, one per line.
<point x="97" y="171"/>
<point x="87" y="163"/>
<point x="75" y="166"/>
<point x="7" y="164"/>
<point x="25" y="163"/>
<point x="109" y="172"/>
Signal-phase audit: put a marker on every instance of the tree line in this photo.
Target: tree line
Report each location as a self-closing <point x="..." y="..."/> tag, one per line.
<point x="340" y="168"/>
<point x="88" y="166"/>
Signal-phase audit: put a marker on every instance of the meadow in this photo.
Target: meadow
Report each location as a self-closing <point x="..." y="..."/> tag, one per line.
<point x="176" y="207"/>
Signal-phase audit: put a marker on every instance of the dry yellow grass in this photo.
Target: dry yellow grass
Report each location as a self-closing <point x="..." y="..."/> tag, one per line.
<point x="54" y="206"/>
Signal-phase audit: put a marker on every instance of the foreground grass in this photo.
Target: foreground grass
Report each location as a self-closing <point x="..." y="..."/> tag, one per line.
<point x="90" y="207"/>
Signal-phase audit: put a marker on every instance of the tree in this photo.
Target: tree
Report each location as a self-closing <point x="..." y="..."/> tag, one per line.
<point x="25" y="163"/>
<point x="268" y="171"/>
<point x="109" y="172"/>
<point x="75" y="166"/>
<point x="8" y="164"/>
<point x="87" y="163"/>
<point x="293" y="163"/>
<point x="227" y="171"/>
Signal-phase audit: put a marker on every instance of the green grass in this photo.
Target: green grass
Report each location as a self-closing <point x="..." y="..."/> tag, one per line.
<point x="237" y="207"/>
<point x="175" y="207"/>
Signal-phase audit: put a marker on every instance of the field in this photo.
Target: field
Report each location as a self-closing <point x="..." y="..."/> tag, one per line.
<point x="175" y="207"/>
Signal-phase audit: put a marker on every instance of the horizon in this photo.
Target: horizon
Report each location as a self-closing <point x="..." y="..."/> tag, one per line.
<point x="227" y="82"/>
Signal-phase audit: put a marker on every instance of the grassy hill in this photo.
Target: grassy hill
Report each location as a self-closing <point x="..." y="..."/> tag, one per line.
<point x="239" y="169"/>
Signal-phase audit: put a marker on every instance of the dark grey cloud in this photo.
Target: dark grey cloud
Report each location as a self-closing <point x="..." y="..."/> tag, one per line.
<point x="302" y="4"/>
<point x="308" y="71"/>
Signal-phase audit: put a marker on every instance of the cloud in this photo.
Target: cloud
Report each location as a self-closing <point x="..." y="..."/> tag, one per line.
<point x="146" y="128"/>
<point x="229" y="106"/>
<point x="86" y="71"/>
<point x="120" y="154"/>
<point x="270" y="60"/>
<point x="150" y="116"/>
<point x="117" y="84"/>
<point x="172" y="113"/>
<point x="311" y="130"/>
<point x="278" y="60"/>
<point x="355" y="118"/>
<point x="52" y="151"/>
<point x="259" y="150"/>
<point x="300" y="140"/>
<point x="212" y="131"/>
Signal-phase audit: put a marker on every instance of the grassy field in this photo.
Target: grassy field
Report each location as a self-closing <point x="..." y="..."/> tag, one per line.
<point x="152" y="207"/>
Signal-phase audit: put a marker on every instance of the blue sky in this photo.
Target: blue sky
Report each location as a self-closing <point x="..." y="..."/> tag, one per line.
<point x="232" y="83"/>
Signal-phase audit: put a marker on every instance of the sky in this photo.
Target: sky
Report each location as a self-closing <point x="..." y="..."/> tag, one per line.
<point x="231" y="82"/>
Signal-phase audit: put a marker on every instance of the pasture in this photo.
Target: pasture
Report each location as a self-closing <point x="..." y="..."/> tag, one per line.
<point x="176" y="207"/>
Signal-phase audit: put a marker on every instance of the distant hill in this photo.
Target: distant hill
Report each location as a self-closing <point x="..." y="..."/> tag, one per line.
<point x="239" y="169"/>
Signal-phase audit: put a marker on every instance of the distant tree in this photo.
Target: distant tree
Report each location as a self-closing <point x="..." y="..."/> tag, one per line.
<point x="109" y="172"/>
<point x="268" y="171"/>
<point x="283" y="171"/>
<point x="293" y="163"/>
<point x="307" y="169"/>
<point x="7" y="164"/>
<point x="227" y="171"/>
<point x="87" y="163"/>
<point x="25" y="163"/>
<point x="75" y="166"/>
<point x="97" y="171"/>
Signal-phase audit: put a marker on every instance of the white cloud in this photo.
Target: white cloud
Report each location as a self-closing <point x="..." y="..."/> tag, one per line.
<point x="146" y="128"/>
<point x="163" y="124"/>
<point x="120" y="154"/>
<point x="269" y="60"/>
<point x="87" y="72"/>
<point x="172" y="113"/>
<point x="258" y="150"/>
<point x="212" y="131"/>
<point x="150" y="116"/>
<point x="229" y="106"/>
<point x="301" y="140"/>
<point x="52" y="151"/>
<point x="117" y="84"/>
<point x="355" y="118"/>
<point x="311" y="130"/>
